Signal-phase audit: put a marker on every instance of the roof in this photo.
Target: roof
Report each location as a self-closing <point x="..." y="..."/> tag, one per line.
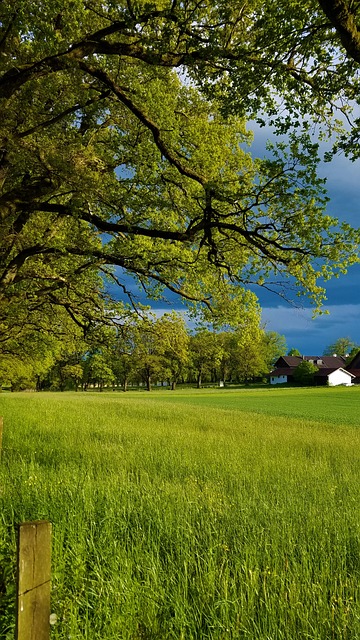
<point x="355" y="372"/>
<point x="322" y="373"/>
<point x="322" y="362"/>
<point x="354" y="362"/>
<point x="326" y="372"/>
<point x="331" y="362"/>
<point x="290" y="361"/>
<point x="282" y="371"/>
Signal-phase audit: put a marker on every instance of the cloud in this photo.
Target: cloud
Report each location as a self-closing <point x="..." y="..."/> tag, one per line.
<point x="313" y="335"/>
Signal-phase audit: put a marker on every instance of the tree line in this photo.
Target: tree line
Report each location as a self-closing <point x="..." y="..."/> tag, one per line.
<point x="146" y="350"/>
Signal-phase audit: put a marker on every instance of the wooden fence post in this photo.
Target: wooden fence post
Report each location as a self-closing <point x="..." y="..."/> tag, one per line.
<point x="33" y="581"/>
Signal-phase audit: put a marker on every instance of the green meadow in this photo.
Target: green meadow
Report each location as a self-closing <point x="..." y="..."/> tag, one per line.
<point x="189" y="515"/>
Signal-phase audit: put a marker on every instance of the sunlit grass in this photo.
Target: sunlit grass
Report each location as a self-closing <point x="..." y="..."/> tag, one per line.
<point x="180" y="517"/>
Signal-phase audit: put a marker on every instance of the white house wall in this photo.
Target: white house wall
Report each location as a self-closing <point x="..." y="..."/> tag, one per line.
<point x="339" y="377"/>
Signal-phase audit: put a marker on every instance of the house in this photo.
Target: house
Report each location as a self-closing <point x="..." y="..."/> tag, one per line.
<point x="331" y="370"/>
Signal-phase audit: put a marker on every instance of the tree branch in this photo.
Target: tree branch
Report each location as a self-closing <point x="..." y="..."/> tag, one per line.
<point x="63" y="114"/>
<point x="344" y="21"/>
<point x="144" y="119"/>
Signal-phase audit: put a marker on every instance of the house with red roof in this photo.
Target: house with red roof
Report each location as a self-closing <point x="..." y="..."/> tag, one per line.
<point x="332" y="370"/>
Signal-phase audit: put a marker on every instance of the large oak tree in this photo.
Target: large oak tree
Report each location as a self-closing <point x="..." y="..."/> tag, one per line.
<point x="123" y="144"/>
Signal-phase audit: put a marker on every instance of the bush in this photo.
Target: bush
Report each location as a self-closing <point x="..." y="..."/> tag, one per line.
<point x="304" y="372"/>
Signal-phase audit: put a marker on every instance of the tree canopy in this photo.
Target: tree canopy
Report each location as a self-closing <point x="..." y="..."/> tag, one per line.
<point x="124" y="152"/>
<point x="341" y="347"/>
<point x="304" y="372"/>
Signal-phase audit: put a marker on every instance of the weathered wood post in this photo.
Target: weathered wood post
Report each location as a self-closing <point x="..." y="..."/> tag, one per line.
<point x="33" y="581"/>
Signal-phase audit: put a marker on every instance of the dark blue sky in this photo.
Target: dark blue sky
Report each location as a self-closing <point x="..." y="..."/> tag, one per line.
<point x="311" y="336"/>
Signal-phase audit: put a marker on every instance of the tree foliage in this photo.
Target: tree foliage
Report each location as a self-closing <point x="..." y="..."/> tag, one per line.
<point x="274" y="347"/>
<point x="123" y="144"/>
<point x="175" y="339"/>
<point x="294" y="352"/>
<point x="341" y="347"/>
<point x="304" y="372"/>
<point x="142" y="348"/>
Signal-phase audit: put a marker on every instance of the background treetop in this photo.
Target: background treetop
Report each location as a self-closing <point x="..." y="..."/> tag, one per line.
<point x="342" y="347"/>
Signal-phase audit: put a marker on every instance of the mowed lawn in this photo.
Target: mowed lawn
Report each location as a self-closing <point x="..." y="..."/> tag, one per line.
<point x="216" y="514"/>
<point x="338" y="405"/>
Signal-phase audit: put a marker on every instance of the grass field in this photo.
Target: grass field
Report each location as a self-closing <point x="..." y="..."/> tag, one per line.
<point x="189" y="515"/>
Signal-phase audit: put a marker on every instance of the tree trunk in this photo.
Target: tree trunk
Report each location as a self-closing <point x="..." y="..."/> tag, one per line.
<point x="199" y="381"/>
<point x="148" y="383"/>
<point x="125" y="385"/>
<point x="173" y="385"/>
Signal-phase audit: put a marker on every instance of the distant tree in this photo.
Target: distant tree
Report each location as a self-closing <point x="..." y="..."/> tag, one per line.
<point x="124" y="368"/>
<point x="274" y="347"/>
<point x="148" y="351"/>
<point x="97" y="371"/>
<point x="304" y="372"/>
<point x="227" y="341"/>
<point x="123" y="350"/>
<point x="28" y="360"/>
<point x="342" y="347"/>
<point x="16" y="374"/>
<point x="294" y="352"/>
<point x="174" y="338"/>
<point x="146" y="347"/>
<point x="250" y="354"/>
<point x="205" y="353"/>
<point x="73" y="374"/>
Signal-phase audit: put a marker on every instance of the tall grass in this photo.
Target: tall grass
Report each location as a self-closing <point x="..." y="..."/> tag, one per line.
<point x="177" y="522"/>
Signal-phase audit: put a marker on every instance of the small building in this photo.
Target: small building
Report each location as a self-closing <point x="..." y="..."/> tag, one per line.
<point x="331" y="370"/>
<point x="280" y="376"/>
<point x="334" y="377"/>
